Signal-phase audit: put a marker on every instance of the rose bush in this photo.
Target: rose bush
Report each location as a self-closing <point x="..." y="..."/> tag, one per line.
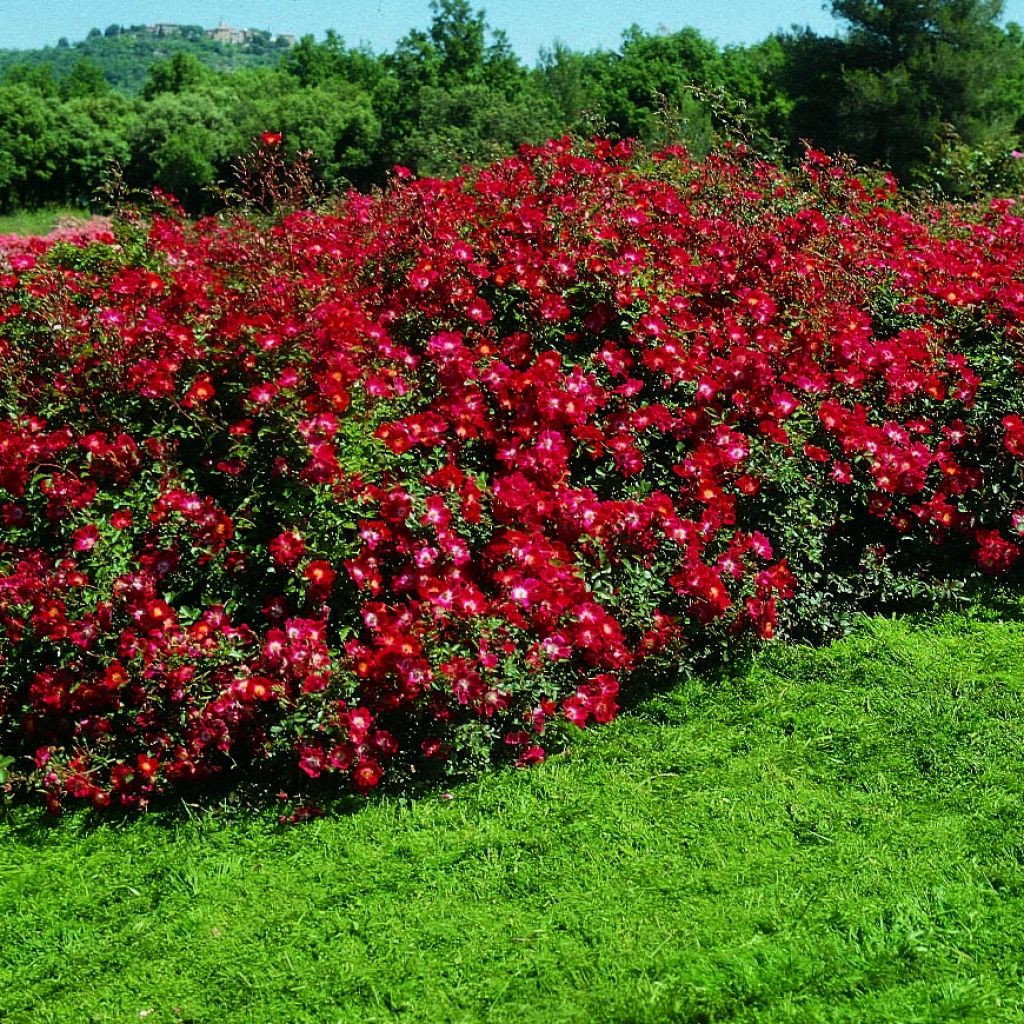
<point x="406" y="485"/>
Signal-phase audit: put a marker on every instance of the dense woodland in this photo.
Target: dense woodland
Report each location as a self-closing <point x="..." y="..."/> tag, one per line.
<point x="933" y="89"/>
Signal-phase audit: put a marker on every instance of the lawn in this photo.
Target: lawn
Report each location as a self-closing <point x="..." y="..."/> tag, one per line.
<point x="820" y="835"/>
<point x="39" y="222"/>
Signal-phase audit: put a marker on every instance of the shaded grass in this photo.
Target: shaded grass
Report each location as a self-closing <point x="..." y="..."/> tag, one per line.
<point x="39" y="222"/>
<point x="832" y="835"/>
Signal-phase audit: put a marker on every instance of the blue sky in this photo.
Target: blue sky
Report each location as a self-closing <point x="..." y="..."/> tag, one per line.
<point x="530" y="24"/>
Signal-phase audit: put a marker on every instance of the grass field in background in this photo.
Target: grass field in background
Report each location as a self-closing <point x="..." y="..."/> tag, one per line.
<point x="825" y="835"/>
<point x="39" y="222"/>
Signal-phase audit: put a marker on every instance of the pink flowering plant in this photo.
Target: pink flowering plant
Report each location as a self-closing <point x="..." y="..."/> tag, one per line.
<point x="395" y="488"/>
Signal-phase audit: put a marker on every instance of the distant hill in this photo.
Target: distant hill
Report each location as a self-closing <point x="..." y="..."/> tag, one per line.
<point x="125" y="54"/>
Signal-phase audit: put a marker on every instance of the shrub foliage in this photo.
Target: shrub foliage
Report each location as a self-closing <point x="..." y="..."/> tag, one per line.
<point x="408" y="484"/>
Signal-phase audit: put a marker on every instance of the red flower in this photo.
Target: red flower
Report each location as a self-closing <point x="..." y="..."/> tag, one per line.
<point x="271" y="139"/>
<point x="311" y="759"/>
<point x="367" y="774"/>
<point x="13" y="515"/>
<point x="321" y="577"/>
<point x="202" y="391"/>
<point x="287" y="548"/>
<point x="158" y="614"/>
<point x="262" y="394"/>
<point x="85" y="537"/>
<point x="530" y="756"/>
<point x="259" y="688"/>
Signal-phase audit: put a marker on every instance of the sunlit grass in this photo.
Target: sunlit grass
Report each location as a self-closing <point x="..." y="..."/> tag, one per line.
<point x="39" y="222"/>
<point x="827" y="835"/>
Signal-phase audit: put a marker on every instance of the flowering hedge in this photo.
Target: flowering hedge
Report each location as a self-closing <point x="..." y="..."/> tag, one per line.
<point x="403" y="487"/>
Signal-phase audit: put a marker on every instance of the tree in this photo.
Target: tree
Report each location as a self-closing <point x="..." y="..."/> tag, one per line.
<point x="566" y="76"/>
<point x="314" y="64"/>
<point x="184" y="142"/>
<point x="645" y="91"/>
<point x="30" y="147"/>
<point x="335" y="123"/>
<point x="86" y="78"/>
<point x="459" y="36"/>
<point x="452" y="95"/>
<point x="754" y="82"/>
<point x="473" y="123"/>
<point x="39" y="78"/>
<point x="890" y="32"/>
<point x="95" y="132"/>
<point x="182" y="72"/>
<point x="911" y="71"/>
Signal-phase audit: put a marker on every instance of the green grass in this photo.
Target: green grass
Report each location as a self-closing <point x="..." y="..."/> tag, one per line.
<point x="38" y="222"/>
<point x="832" y="835"/>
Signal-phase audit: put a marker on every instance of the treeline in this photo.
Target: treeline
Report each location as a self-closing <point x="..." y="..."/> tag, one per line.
<point x="931" y="88"/>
